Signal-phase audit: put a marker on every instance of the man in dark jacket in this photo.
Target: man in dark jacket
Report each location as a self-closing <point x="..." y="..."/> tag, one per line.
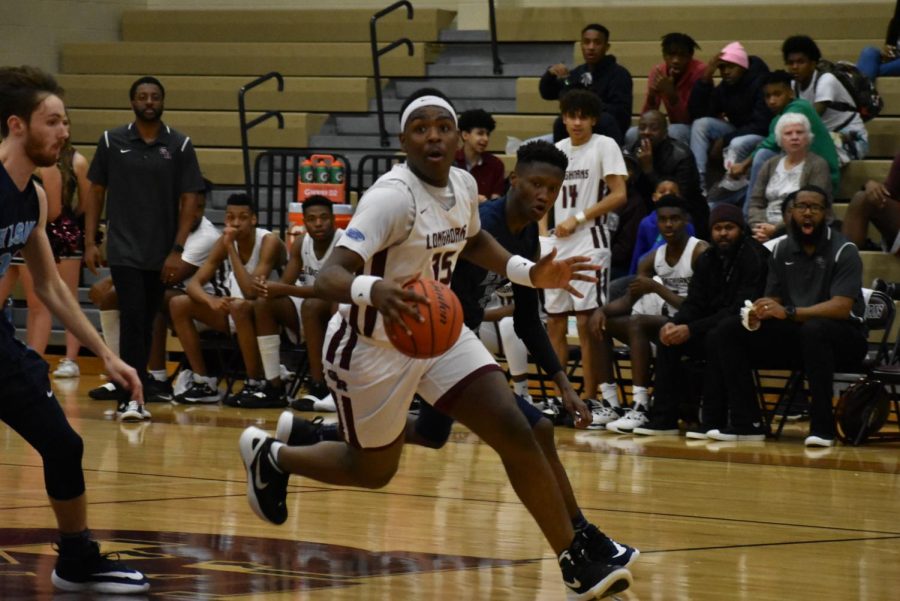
<point x="732" y="270"/>
<point x="600" y="74"/>
<point x="660" y="158"/>
<point x="732" y="116"/>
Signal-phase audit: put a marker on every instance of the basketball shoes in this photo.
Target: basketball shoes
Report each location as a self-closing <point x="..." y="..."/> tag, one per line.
<point x="81" y="567"/>
<point x="600" y="547"/>
<point x="266" y="482"/>
<point x="298" y="432"/>
<point x="586" y="579"/>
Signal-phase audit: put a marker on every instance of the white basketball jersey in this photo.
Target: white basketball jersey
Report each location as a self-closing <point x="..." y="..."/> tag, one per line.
<point x="405" y="229"/>
<point x="676" y="277"/>
<point x="250" y="265"/>
<point x="589" y="165"/>
<point x="311" y="263"/>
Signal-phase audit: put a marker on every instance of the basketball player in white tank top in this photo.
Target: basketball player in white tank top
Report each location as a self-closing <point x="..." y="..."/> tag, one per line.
<point x="251" y="252"/>
<point x="594" y="188"/>
<point x="415" y="221"/>
<point x="673" y="260"/>
<point x="289" y="303"/>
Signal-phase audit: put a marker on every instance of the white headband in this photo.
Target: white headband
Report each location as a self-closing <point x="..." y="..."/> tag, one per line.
<point x="426" y="101"/>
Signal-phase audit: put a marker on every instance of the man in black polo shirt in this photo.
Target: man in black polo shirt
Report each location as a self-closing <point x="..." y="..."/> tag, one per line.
<point x="146" y="171"/>
<point x="811" y="317"/>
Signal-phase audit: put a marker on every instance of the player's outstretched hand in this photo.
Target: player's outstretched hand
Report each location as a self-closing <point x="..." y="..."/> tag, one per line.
<point x="577" y="408"/>
<point x="549" y="272"/>
<point x="393" y="302"/>
<point x="125" y="375"/>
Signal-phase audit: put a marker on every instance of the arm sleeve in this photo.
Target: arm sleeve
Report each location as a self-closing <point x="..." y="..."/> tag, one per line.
<point x="619" y="96"/>
<point x="701" y="101"/>
<point x="847" y="278"/>
<point x="774" y="287"/>
<point x="756" y="210"/>
<point x="190" y="180"/>
<point x="466" y="284"/>
<point x="98" y="172"/>
<point x="759" y="120"/>
<point x="384" y="216"/>
<point x="528" y="327"/>
<point x="550" y="86"/>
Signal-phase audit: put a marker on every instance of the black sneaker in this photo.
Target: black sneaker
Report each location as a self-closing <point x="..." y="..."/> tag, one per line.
<point x="752" y="433"/>
<point x="600" y="547"/>
<point x="89" y="570"/>
<point x="260" y="396"/>
<point x="657" y="427"/>
<point x="298" y="432"/>
<point x="586" y="579"/>
<point x="199" y="392"/>
<point x="266" y="483"/>
<point x="105" y="392"/>
<point x="157" y="391"/>
<point x="698" y="431"/>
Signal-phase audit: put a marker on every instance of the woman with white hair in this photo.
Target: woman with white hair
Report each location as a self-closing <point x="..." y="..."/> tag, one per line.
<point x="783" y="174"/>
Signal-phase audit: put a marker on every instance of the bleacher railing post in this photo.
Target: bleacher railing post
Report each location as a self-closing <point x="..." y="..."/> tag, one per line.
<point x="376" y="56"/>
<point x="242" y="115"/>
<point x="495" y="53"/>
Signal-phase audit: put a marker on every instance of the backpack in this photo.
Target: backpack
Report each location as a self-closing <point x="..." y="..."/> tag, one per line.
<point x="866" y="98"/>
<point x="861" y="411"/>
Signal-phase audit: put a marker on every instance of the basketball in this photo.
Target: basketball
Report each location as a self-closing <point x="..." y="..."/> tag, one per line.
<point x="442" y="325"/>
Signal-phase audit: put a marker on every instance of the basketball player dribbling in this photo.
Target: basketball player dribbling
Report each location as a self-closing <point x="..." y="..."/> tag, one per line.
<point x="415" y="221"/>
<point x="33" y="127"/>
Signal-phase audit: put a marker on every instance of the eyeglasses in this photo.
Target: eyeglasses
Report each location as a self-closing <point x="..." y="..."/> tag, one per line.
<point x="802" y="207"/>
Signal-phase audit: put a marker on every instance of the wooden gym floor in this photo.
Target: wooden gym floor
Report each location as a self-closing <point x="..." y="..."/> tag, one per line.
<point x="713" y="522"/>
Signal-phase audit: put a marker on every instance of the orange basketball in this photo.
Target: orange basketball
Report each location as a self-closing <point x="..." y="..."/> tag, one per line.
<point x="442" y="325"/>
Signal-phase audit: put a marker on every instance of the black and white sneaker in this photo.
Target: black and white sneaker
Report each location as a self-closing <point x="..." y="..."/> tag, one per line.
<point x="199" y="393"/>
<point x="260" y="396"/>
<point x="586" y="579"/>
<point x="157" y="391"/>
<point x="132" y="411"/>
<point x="298" y="432"/>
<point x="752" y="433"/>
<point x="105" y="392"/>
<point x="266" y="483"/>
<point x="91" y="571"/>
<point x="600" y="547"/>
<point x="658" y="427"/>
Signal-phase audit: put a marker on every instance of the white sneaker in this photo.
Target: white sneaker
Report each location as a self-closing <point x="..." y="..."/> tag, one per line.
<point x="634" y="418"/>
<point x="603" y="413"/>
<point x="183" y="381"/>
<point x="818" y="441"/>
<point x="285" y="374"/>
<point x="67" y="369"/>
<point x="133" y="412"/>
<point x="325" y="404"/>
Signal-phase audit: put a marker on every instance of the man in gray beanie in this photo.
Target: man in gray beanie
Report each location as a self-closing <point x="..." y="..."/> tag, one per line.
<point x="732" y="269"/>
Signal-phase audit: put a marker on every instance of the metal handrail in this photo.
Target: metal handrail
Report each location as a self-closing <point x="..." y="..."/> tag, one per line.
<point x="376" y="55"/>
<point x="495" y="53"/>
<point x="242" y="113"/>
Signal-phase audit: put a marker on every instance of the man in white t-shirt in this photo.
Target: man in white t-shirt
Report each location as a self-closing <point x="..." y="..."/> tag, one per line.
<point x="414" y="222"/>
<point x="594" y="188"/>
<point x="832" y="101"/>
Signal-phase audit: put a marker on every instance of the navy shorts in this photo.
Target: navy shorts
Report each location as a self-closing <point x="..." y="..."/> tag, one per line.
<point x="435" y="426"/>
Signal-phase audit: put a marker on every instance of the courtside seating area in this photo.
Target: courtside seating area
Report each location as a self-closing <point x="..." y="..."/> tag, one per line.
<point x="204" y="57"/>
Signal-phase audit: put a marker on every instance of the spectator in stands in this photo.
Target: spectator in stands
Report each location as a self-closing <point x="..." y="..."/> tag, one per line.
<point x="811" y="317"/>
<point x="600" y="74"/>
<point x="670" y="83"/>
<point x="648" y="236"/>
<point x="656" y="293"/>
<point x="732" y="117"/>
<point x="780" y="98"/>
<point x="876" y="62"/>
<point x="828" y="95"/>
<point x="200" y="242"/>
<point x="662" y="157"/>
<point x="475" y="128"/>
<point x="731" y="270"/>
<point x="878" y="204"/>
<point x="593" y="189"/>
<point x="781" y="175"/>
<point x="66" y="184"/>
<point x="289" y="304"/>
<point x="626" y="221"/>
<point x="244" y="252"/>
<point x="148" y="174"/>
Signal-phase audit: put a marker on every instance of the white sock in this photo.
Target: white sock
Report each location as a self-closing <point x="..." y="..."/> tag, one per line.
<point x="521" y="388"/>
<point x="270" y="353"/>
<point x="610" y="393"/>
<point x="160" y="375"/>
<point x="211" y="380"/>
<point x="641" y="397"/>
<point x="109" y="325"/>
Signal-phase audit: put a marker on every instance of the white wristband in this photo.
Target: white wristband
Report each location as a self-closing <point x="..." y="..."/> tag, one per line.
<point x="580" y="217"/>
<point x="518" y="270"/>
<point x="361" y="289"/>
